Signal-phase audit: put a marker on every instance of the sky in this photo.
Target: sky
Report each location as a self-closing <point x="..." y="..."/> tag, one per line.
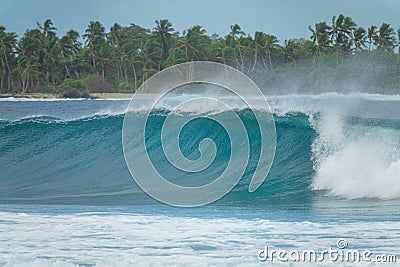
<point x="283" y="18"/>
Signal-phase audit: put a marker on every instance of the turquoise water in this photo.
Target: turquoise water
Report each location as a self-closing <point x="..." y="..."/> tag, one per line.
<point x="67" y="197"/>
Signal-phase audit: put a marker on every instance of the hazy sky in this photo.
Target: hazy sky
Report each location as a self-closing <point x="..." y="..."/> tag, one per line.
<point x="283" y="18"/>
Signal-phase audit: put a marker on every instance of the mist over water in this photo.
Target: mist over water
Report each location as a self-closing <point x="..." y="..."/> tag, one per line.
<point x="374" y="73"/>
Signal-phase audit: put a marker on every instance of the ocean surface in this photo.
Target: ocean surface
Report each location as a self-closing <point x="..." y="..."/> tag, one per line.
<point x="67" y="197"/>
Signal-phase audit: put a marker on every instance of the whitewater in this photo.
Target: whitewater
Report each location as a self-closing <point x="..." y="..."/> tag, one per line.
<point x="67" y="197"/>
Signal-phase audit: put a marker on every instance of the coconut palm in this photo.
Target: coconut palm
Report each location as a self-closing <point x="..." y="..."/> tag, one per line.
<point x="8" y="41"/>
<point x="259" y="42"/>
<point x="233" y="40"/>
<point x="148" y="58"/>
<point x="341" y="30"/>
<point x="47" y="28"/>
<point x="163" y="32"/>
<point x="271" y="43"/>
<point x="194" y="43"/>
<point x="95" y="38"/>
<point x="385" y="40"/>
<point x="398" y="39"/>
<point x="359" y="38"/>
<point x="320" y="36"/>
<point x="175" y="56"/>
<point x="115" y="37"/>
<point x="31" y="59"/>
<point x="371" y="36"/>
<point x="69" y="47"/>
<point x="291" y="50"/>
<point x="49" y="51"/>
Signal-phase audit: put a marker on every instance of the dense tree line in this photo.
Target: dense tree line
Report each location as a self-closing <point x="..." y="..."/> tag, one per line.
<point x="123" y="57"/>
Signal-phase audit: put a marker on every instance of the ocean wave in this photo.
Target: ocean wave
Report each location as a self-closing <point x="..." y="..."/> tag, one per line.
<point x="357" y="160"/>
<point x="47" y="159"/>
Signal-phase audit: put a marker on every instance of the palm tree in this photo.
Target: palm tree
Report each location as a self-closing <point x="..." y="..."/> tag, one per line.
<point x="336" y="28"/>
<point x="291" y="50"/>
<point x="233" y="39"/>
<point x="320" y="36"/>
<point x="8" y="41"/>
<point x="148" y="57"/>
<point x="95" y="38"/>
<point x="104" y="60"/>
<point x="341" y="30"/>
<point x="223" y="53"/>
<point x="359" y="38"/>
<point x="296" y="49"/>
<point x="49" y="55"/>
<point x="176" y="56"/>
<point x="116" y="41"/>
<point x="194" y="42"/>
<point x="259" y="42"/>
<point x="385" y="39"/>
<point x="371" y="35"/>
<point x="398" y="39"/>
<point x="135" y="38"/>
<point x="47" y="28"/>
<point x="31" y="58"/>
<point x="163" y="32"/>
<point x="271" y="43"/>
<point x="68" y="47"/>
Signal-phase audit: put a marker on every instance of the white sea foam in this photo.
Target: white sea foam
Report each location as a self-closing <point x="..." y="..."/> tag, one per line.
<point x="356" y="161"/>
<point x="112" y="239"/>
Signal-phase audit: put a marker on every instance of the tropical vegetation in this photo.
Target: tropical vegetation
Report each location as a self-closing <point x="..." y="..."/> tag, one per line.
<point x="337" y="54"/>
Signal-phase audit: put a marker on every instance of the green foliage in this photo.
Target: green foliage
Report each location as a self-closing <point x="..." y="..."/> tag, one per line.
<point x="122" y="58"/>
<point x="123" y="87"/>
<point x="74" y="88"/>
<point x="97" y="84"/>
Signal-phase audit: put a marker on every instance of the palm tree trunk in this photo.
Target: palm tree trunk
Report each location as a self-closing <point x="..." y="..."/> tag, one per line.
<point x="134" y="74"/>
<point x="3" y="75"/>
<point x="1" y="83"/>
<point x="118" y="72"/>
<point x="264" y="63"/>
<point x="269" y="59"/>
<point x="24" y="79"/>
<point x="68" y="74"/>
<point x="241" y="59"/>
<point x="119" y="63"/>
<point x="9" y="74"/>
<point x="94" y="63"/>
<point x="161" y="55"/>
<point x="125" y="73"/>
<point x="47" y="75"/>
<point x="255" y="57"/>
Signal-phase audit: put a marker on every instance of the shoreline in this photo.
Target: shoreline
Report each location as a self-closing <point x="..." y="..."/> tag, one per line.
<point x="59" y="96"/>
